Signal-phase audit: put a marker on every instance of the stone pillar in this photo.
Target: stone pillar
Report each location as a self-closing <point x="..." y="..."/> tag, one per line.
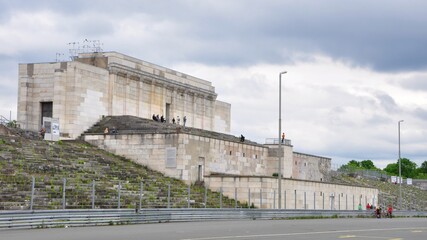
<point x="111" y="90"/>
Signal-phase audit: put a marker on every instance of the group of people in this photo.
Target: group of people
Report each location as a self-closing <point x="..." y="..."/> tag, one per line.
<point x="174" y="121"/>
<point x="158" y="119"/>
<point x="378" y="210"/>
<point x="113" y="131"/>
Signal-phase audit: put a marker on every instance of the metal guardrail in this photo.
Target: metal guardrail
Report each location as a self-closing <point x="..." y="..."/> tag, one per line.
<point x="66" y="218"/>
<point x="287" y="142"/>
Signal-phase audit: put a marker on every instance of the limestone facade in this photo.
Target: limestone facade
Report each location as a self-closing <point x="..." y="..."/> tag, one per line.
<point x="196" y="156"/>
<point x="81" y="91"/>
<point x="241" y="170"/>
<point x="296" y="194"/>
<point x="310" y="167"/>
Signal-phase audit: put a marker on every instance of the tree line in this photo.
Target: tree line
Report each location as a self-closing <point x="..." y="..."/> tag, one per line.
<point x="409" y="169"/>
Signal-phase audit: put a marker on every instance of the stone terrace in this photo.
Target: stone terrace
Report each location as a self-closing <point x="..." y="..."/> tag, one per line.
<point x="136" y="125"/>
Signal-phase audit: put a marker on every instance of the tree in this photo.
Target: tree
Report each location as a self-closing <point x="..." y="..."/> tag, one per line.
<point x="353" y="164"/>
<point x="392" y="168"/>
<point x="408" y="168"/>
<point x="423" y="168"/>
<point x="367" y="164"/>
<point x="350" y="166"/>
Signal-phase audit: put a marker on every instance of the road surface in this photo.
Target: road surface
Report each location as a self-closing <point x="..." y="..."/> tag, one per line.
<point x="319" y="229"/>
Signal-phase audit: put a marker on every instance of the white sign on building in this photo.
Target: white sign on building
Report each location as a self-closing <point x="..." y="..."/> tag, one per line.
<point x="52" y="128"/>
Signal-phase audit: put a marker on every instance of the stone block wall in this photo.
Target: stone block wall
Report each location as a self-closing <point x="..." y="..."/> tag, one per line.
<point x="99" y="84"/>
<point x="35" y="85"/>
<point x="296" y="194"/>
<point x="273" y="160"/>
<point x="222" y="117"/>
<point x="77" y="91"/>
<point x="214" y="156"/>
<point x="310" y="167"/>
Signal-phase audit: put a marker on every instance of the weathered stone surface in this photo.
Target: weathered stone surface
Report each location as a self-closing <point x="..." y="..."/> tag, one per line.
<point x="110" y="83"/>
<point x="199" y="152"/>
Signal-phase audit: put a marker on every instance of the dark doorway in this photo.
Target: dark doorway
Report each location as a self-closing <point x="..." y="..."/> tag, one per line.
<point x="200" y="174"/>
<point x="46" y="108"/>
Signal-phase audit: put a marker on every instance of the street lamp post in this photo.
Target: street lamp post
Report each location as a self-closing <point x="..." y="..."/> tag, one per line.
<point x="279" y="175"/>
<point x="400" y="168"/>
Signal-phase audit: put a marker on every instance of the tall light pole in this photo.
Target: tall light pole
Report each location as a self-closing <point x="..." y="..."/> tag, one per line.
<point x="400" y="168"/>
<point x="280" y="151"/>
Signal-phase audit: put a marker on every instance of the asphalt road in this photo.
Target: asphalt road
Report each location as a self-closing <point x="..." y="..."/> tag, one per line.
<point x="390" y="229"/>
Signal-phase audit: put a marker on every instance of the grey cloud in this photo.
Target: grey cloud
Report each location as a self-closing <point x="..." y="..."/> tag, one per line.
<point x="377" y="119"/>
<point x="386" y="102"/>
<point x="384" y="35"/>
<point x="420" y="113"/>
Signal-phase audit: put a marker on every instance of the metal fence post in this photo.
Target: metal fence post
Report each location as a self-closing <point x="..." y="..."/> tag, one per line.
<point x="260" y="198"/>
<point x="33" y="180"/>
<point x="235" y="197"/>
<point x="323" y="201"/>
<point x="188" y="197"/>
<point x="249" y="198"/>
<point x="346" y="203"/>
<point x="314" y="200"/>
<point x="305" y="199"/>
<point x="284" y="205"/>
<point x="169" y="195"/>
<point x="119" y="190"/>
<point x="93" y="194"/>
<point x="353" y="202"/>
<point x="220" y="197"/>
<point x="141" y="189"/>
<point x="64" y="181"/>
<point x="274" y="199"/>
<point x="295" y="198"/>
<point x="206" y="195"/>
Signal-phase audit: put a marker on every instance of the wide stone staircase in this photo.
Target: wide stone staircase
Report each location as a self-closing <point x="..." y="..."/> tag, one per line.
<point x="23" y="156"/>
<point x="135" y="125"/>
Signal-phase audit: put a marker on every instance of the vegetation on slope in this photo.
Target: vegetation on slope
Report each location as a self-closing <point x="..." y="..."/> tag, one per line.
<point x="413" y="198"/>
<point x="24" y="156"/>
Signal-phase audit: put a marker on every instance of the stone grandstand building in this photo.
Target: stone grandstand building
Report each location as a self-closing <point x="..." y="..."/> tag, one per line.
<point x="80" y="92"/>
<point x="111" y="90"/>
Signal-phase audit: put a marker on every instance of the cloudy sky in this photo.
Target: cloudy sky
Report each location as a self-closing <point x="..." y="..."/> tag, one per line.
<point x="355" y="68"/>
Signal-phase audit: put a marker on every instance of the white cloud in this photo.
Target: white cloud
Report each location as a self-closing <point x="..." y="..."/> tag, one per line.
<point x="328" y="107"/>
